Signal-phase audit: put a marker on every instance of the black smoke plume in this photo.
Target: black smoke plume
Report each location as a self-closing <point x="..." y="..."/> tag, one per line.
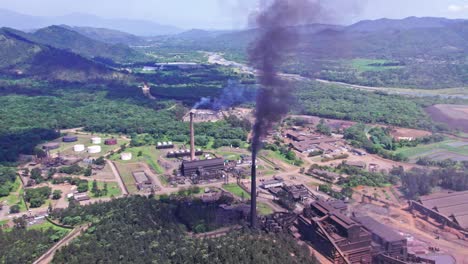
<point x="276" y="25"/>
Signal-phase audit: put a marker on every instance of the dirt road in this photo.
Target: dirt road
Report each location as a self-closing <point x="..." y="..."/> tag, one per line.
<point x="118" y="177"/>
<point x="49" y="255"/>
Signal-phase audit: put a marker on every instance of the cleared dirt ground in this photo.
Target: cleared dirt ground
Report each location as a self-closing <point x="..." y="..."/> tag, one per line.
<point x="455" y="116"/>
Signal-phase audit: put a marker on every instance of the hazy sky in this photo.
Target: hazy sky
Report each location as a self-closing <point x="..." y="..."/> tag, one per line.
<point x="228" y="13"/>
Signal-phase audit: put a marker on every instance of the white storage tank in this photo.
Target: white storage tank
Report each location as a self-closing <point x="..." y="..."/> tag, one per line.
<point x="126" y="156"/>
<point x="79" y="148"/>
<point x="96" y="140"/>
<point x="94" y="149"/>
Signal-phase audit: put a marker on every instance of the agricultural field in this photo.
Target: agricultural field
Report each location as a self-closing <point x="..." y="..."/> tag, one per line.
<point x="448" y="149"/>
<point x="454" y="116"/>
<point x="85" y="139"/>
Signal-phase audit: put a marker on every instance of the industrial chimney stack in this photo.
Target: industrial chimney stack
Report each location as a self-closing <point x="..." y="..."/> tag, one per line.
<point x="192" y="138"/>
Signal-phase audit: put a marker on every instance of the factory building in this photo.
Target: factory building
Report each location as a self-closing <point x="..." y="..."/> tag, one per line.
<point x="385" y="240"/>
<point x="142" y="180"/>
<point x="51" y="146"/>
<point x="197" y="167"/>
<point x="165" y="145"/>
<point x="450" y="208"/>
<point x="335" y="235"/>
<point x="200" y="170"/>
<point x="183" y="153"/>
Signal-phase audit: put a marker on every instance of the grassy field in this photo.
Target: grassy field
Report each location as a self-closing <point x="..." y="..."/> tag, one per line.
<point x="113" y="189"/>
<point x="3" y="222"/>
<point x="364" y="65"/>
<point x="126" y="170"/>
<point x="236" y="190"/>
<point x="228" y="155"/>
<point x="67" y="148"/>
<point x="275" y="155"/>
<point x="46" y="225"/>
<point x="452" y="146"/>
<point x="264" y="209"/>
<point x="149" y="155"/>
<point x="16" y="196"/>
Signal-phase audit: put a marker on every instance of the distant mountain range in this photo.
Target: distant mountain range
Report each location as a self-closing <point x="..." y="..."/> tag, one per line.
<point x="137" y="27"/>
<point x="22" y="56"/>
<point x="429" y="52"/>
<point x="377" y="38"/>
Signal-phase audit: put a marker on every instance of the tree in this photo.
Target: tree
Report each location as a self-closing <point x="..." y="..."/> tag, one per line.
<point x="105" y="191"/>
<point x="347" y="192"/>
<point x="323" y="128"/>
<point x="82" y="187"/>
<point x="88" y="171"/>
<point x="100" y="161"/>
<point x="14" y="209"/>
<point x="36" y="174"/>
<point x="95" y="189"/>
<point x="20" y="222"/>
<point x="140" y="153"/>
<point x="57" y="194"/>
<point x="51" y="173"/>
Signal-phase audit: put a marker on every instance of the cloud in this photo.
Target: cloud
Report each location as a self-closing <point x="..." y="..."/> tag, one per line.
<point x="458" y="8"/>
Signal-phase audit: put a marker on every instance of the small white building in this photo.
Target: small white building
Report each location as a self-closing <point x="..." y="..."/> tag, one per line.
<point x="96" y="140"/>
<point x="126" y="156"/>
<point x="94" y="149"/>
<point x="272" y="184"/>
<point x="79" y="148"/>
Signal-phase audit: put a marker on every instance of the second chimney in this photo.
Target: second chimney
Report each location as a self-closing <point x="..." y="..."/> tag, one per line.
<point x="192" y="138"/>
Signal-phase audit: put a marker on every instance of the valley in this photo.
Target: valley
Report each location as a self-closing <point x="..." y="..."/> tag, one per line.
<point x="113" y="144"/>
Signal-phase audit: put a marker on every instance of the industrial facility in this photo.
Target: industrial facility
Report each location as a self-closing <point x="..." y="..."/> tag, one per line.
<point x="448" y="209"/>
<point x="110" y="142"/>
<point x="142" y="181"/>
<point x="335" y="235"/>
<point x="69" y="139"/>
<point x="200" y="170"/>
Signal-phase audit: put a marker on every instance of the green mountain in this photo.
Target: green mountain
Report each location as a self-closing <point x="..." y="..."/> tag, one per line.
<point x="64" y="38"/>
<point x="108" y="35"/>
<point x="412" y="52"/>
<point x="23" y="57"/>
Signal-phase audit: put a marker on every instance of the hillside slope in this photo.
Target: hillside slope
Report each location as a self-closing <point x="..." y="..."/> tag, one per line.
<point x="63" y="38"/>
<point x="24" y="57"/>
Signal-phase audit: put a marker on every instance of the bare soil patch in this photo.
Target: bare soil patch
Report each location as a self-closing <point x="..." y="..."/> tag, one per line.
<point x="455" y="116"/>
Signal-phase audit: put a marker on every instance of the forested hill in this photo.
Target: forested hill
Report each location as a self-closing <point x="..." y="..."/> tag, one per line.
<point x="64" y="38"/>
<point x="143" y="230"/>
<point x="24" y="57"/>
<point x="412" y="52"/>
<point x="107" y="35"/>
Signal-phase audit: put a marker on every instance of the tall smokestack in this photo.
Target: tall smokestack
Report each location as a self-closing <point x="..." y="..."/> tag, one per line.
<point x="192" y="138"/>
<point x="277" y="37"/>
<point x="253" y="194"/>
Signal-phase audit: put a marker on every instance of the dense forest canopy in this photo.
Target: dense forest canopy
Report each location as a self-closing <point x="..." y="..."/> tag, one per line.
<point x="143" y="230"/>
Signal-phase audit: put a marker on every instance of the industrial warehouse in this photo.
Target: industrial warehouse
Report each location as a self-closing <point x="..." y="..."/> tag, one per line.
<point x="201" y="170"/>
<point x="449" y="209"/>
